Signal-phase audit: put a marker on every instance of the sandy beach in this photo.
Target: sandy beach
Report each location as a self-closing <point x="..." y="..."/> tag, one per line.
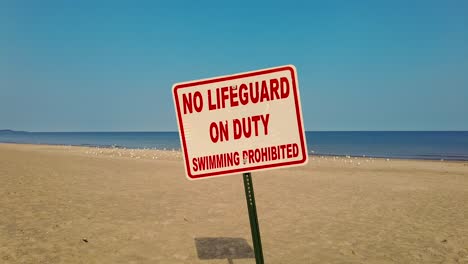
<point x="62" y="204"/>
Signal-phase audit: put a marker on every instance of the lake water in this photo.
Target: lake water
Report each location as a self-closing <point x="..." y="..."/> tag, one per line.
<point x="411" y="145"/>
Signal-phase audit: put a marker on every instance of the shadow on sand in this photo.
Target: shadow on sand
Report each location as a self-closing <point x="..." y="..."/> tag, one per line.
<point x="223" y="248"/>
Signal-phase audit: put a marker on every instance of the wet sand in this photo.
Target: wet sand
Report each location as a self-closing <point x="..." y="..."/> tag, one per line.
<point x="62" y="204"/>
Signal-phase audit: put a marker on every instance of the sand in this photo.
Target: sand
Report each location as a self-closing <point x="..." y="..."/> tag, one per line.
<point x="62" y="204"/>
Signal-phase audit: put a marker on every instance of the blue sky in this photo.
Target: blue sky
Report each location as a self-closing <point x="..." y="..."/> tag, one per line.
<point x="362" y="65"/>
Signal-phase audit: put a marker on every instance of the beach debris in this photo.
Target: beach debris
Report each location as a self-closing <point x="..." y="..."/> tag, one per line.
<point x="444" y="241"/>
<point x="84" y="240"/>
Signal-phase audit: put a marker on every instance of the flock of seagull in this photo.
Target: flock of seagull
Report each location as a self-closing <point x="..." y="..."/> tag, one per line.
<point x="176" y="154"/>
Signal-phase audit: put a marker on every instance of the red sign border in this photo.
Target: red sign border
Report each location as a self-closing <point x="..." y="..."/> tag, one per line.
<point x="179" y="86"/>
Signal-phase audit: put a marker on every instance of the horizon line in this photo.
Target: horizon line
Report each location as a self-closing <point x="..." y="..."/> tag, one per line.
<point x="175" y="131"/>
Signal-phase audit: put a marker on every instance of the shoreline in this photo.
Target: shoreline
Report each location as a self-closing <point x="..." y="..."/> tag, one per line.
<point x="116" y="147"/>
<point x="153" y="153"/>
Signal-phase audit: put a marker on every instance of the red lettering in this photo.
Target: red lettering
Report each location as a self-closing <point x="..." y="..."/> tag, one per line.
<point x="198" y="101"/>
<point x="295" y="150"/>
<point x="254" y="94"/>
<point x="264" y="154"/>
<point x="233" y="96"/>
<point x="187" y="102"/>
<point x="251" y="156"/>
<point x="255" y="120"/>
<point x="284" y="85"/>
<point x="265" y="120"/>
<point x="218" y="97"/>
<point x="281" y="154"/>
<point x="258" y="155"/>
<point x="223" y="129"/>
<point x="273" y="153"/>
<point x="219" y="131"/>
<point x="211" y="105"/>
<point x="212" y="162"/>
<point x="229" y="160"/>
<point x="195" y="165"/>
<point x="274" y="86"/>
<point x="289" y="151"/>
<point x="247" y="130"/>
<point x="224" y="96"/>
<point x="264" y="95"/>
<point x="201" y="163"/>
<point x="244" y="94"/>
<point x="214" y="133"/>
<point x="237" y="129"/>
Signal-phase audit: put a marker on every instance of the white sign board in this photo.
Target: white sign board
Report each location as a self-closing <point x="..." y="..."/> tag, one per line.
<point x="241" y="123"/>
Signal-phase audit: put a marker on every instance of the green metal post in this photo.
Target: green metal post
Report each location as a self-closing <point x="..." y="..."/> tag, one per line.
<point x="249" y="195"/>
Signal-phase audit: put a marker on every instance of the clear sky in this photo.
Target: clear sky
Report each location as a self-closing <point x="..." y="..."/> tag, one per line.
<point x="362" y="65"/>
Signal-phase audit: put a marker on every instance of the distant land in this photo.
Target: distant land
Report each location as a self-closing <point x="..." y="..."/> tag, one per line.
<point x="9" y="131"/>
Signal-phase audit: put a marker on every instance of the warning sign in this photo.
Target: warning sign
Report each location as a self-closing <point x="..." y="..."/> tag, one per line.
<point x="241" y="123"/>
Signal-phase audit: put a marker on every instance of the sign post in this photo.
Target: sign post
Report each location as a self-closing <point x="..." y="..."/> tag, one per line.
<point x="240" y="123"/>
<point x="254" y="227"/>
